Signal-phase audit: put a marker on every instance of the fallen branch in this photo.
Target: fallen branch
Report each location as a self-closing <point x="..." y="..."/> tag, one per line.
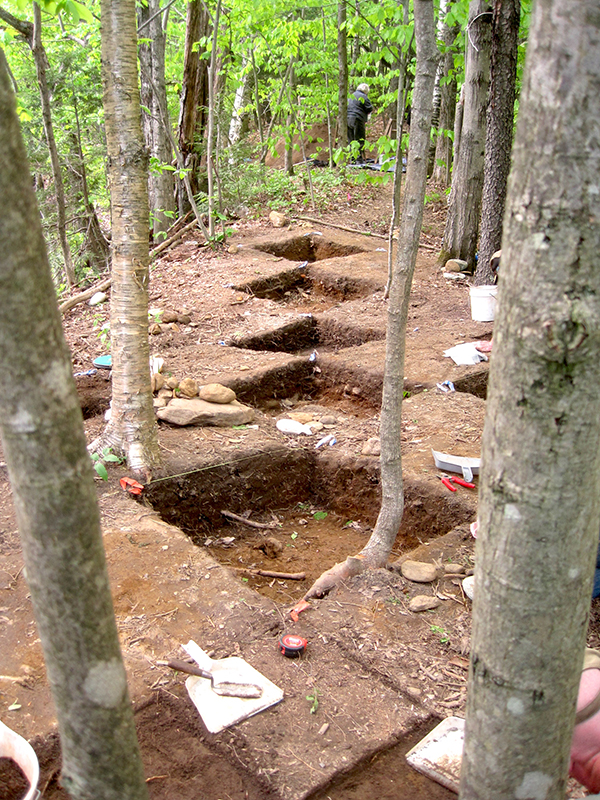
<point x="266" y="573"/>
<point x="244" y="521"/>
<point x="168" y="242"/>
<point x="81" y="298"/>
<point x="341" y="227"/>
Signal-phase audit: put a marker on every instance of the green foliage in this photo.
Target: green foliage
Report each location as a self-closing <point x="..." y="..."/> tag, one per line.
<point x="318" y="515"/>
<point x="313" y="699"/>
<point x="444" y="638"/>
<point x="99" y="461"/>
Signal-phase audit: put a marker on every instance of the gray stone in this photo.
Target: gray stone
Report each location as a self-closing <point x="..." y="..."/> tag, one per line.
<point x="372" y="447"/>
<point x="454" y="569"/>
<point x="456" y="265"/>
<point x="423" y="602"/>
<point x="328" y="419"/>
<point x="96" y="299"/>
<point x="216" y="393"/>
<point x="418" y="571"/>
<point x="172" y="382"/>
<point x="199" y="412"/>
<point x="188" y="387"/>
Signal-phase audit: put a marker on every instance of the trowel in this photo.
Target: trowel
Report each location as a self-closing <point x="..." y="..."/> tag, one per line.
<point x="225" y="683"/>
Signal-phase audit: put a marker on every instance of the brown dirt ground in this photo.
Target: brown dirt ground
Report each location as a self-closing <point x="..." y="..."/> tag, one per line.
<point x="382" y="675"/>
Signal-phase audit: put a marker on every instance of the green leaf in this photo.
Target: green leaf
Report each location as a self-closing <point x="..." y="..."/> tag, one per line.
<point x="294" y="535"/>
<point x="112" y="458"/>
<point x="319" y="514"/>
<point x="101" y="470"/>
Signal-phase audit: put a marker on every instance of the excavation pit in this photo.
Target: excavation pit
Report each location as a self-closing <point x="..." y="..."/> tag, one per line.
<point x="290" y="510"/>
<point x="310" y="247"/>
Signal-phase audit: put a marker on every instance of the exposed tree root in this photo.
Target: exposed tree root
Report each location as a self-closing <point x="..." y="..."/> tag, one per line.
<point x="353" y="565"/>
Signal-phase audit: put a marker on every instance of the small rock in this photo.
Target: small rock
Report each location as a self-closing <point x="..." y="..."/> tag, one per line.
<point x="423" y="602"/>
<point x="216" y="393"/>
<point x="278" y="220"/>
<point x="160" y="402"/>
<point x="372" y="447"/>
<point x="165" y="393"/>
<point x="356" y="391"/>
<point x="184" y="319"/>
<point x="233" y="249"/>
<point x="169" y="316"/>
<point x="271" y="547"/>
<point x="454" y="569"/>
<point x="456" y="265"/>
<point x="96" y="299"/>
<point x="316" y="426"/>
<point x="323" y="729"/>
<point x="469" y="586"/>
<point x="188" y="387"/>
<point x="154" y="329"/>
<point x="172" y="383"/>
<point x="413" y="691"/>
<point x="157" y="381"/>
<point x="301" y="416"/>
<point x="328" y="419"/>
<point x="418" y="571"/>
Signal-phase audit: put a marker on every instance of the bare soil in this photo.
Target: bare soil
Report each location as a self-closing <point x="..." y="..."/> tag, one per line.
<point x="294" y="321"/>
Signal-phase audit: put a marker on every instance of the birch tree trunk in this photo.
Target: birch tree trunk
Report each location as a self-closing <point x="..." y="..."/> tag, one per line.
<point x="132" y="426"/>
<point x="499" y="132"/>
<point x="462" y="223"/>
<point x="377" y="550"/>
<point x="539" y="507"/>
<point x="55" y="499"/>
<point x="443" y="142"/>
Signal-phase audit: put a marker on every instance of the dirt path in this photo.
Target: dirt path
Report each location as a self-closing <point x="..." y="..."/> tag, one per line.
<point x="294" y="321"/>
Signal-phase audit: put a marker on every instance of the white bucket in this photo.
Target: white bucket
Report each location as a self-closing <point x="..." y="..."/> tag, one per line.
<point x="483" y="302"/>
<point x="14" y="746"/>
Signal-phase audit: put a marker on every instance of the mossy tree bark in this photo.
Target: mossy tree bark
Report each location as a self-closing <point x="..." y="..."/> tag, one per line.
<point x="132" y="426"/>
<point x="55" y="500"/>
<point x="539" y="507"/>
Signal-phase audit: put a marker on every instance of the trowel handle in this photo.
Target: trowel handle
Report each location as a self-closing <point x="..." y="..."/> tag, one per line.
<point x="184" y="666"/>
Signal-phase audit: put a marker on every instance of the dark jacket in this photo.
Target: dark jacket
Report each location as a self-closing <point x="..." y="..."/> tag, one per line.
<point x="359" y="108"/>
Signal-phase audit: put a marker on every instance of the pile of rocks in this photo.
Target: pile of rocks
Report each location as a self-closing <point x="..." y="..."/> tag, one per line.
<point x="185" y="403"/>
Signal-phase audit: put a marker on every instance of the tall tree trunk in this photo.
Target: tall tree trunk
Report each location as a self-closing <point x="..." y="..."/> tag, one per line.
<point x="55" y="499"/>
<point x="132" y="426"/>
<point x="240" y="101"/>
<point x="194" y="98"/>
<point x="161" y="184"/>
<point x="342" y="50"/>
<point x="462" y="223"/>
<point x="210" y="136"/>
<point x="41" y="67"/>
<point x="499" y="136"/>
<point x="443" y="142"/>
<point x="539" y="508"/>
<point x="378" y="548"/>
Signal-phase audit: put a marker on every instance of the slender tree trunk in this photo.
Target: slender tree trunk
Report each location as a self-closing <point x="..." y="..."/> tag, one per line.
<point x="443" y="142"/>
<point x="240" y="101"/>
<point x="257" y="98"/>
<point x="132" y="426"/>
<point x="194" y="98"/>
<point x="462" y="224"/>
<point x="539" y="508"/>
<point x="55" y="499"/>
<point x="378" y="548"/>
<point x="212" y="80"/>
<point x="499" y="136"/>
<point x="41" y="66"/>
<point x="342" y="49"/>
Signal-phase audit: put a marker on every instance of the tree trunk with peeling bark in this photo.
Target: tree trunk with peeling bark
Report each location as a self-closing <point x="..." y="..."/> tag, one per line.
<point x="132" y="426"/>
<point x="539" y="505"/>
<point x="342" y="50"/>
<point x="55" y="499"/>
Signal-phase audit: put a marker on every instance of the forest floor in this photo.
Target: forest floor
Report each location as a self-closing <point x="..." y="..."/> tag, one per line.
<point x="292" y="319"/>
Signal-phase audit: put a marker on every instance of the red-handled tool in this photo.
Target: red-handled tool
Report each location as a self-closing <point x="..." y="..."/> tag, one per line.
<point x="446" y="482"/>
<point x="461" y="482"/>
